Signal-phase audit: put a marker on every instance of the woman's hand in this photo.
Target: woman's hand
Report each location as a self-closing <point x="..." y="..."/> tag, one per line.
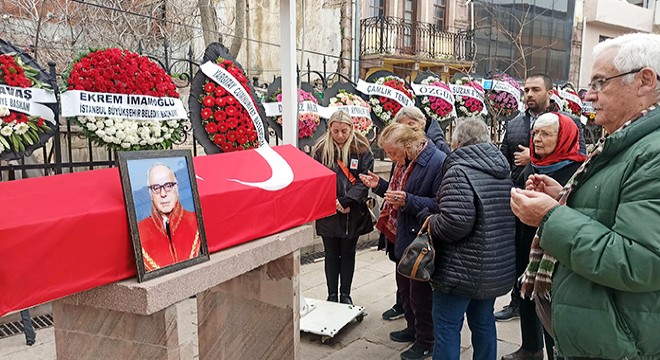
<point x="396" y="198"/>
<point x="341" y="209"/>
<point x="543" y="184"/>
<point x="369" y="179"/>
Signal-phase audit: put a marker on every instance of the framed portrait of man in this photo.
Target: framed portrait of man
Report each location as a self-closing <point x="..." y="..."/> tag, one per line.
<point x="164" y="214"/>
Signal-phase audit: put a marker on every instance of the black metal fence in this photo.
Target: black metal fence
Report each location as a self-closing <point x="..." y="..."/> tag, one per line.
<point x="69" y="151"/>
<point x="392" y="35"/>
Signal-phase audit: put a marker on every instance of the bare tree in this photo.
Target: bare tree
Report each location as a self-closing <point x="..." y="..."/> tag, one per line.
<point x="239" y="28"/>
<point x="209" y="22"/>
<point x="512" y="22"/>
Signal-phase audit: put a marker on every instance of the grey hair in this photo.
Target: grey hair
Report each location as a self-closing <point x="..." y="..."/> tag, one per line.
<point x="410" y="112"/>
<point x="156" y="164"/>
<point x="635" y="50"/>
<point x="470" y="131"/>
<point x="547" y="119"/>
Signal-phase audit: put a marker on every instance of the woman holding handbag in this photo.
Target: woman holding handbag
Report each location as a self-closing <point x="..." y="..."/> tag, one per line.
<point x="412" y="188"/>
<point x="348" y="154"/>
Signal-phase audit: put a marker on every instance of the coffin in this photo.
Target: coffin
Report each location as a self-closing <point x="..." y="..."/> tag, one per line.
<point x="63" y="234"/>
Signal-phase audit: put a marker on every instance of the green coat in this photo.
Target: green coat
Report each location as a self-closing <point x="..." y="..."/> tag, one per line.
<point x="606" y="287"/>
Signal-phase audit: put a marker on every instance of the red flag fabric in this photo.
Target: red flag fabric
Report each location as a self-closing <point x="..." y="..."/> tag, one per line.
<point x="67" y="233"/>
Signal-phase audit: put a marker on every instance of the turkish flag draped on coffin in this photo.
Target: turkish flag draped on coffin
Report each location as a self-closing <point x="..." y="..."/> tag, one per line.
<point x="67" y="233"/>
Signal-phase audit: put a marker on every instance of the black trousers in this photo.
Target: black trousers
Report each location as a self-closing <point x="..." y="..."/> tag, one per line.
<point x="339" y="263"/>
<point x="417" y="301"/>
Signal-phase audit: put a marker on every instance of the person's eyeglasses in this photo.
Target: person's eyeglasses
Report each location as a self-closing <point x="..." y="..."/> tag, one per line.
<point x="597" y="84"/>
<point x="543" y="134"/>
<point x="167" y="186"/>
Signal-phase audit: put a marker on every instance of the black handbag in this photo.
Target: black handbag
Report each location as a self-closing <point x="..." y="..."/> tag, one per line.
<point x="418" y="260"/>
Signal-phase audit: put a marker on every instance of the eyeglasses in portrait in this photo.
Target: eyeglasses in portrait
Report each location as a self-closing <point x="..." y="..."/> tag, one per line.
<point x="165" y="218"/>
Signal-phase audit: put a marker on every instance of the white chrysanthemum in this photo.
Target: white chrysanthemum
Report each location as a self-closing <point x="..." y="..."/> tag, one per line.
<point x="109" y="122"/>
<point x="21" y="128"/>
<point x="100" y="125"/>
<point x="385" y="116"/>
<point x="100" y="133"/>
<point x="120" y="134"/>
<point x="110" y="130"/>
<point x="7" y="131"/>
<point x="4" y="111"/>
<point x="167" y="136"/>
<point x="119" y="125"/>
<point x="173" y="123"/>
<point x="91" y="126"/>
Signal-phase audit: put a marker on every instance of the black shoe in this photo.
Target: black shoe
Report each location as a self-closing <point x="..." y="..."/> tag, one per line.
<point x="396" y="312"/>
<point x="345" y="299"/>
<point x="508" y="313"/>
<point x="404" y="335"/>
<point x="522" y="354"/>
<point x="29" y="342"/>
<point x="416" y="352"/>
<point x="333" y="298"/>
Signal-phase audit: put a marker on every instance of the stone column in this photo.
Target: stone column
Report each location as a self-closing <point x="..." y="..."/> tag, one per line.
<point x="253" y="316"/>
<point x="85" y="332"/>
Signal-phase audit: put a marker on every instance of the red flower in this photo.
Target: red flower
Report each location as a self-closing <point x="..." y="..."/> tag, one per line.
<point x="209" y="87"/>
<point x="231" y="111"/>
<point x="211" y="128"/>
<point x="207" y="113"/>
<point x="208" y="101"/>
<point x="219" y="115"/>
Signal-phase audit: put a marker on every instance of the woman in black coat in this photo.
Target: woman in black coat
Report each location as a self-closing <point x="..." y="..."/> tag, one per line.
<point x="555" y="152"/>
<point x="348" y="154"/>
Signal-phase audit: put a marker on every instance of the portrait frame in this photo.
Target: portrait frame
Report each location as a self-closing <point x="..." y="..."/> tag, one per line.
<point x="134" y="169"/>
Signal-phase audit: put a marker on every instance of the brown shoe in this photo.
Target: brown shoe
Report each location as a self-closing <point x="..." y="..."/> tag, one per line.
<point x="523" y="354"/>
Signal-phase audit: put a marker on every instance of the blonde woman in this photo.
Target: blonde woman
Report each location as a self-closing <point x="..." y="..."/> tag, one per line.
<point x="348" y="154"/>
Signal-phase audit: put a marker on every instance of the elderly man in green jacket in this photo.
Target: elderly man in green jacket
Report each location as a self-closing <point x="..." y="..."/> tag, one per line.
<point x="598" y="243"/>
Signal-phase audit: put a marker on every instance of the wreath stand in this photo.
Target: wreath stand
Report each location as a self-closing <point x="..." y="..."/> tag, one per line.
<point x="326" y="318"/>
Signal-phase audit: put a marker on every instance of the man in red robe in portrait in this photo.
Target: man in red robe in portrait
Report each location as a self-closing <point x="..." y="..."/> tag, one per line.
<point x="170" y="234"/>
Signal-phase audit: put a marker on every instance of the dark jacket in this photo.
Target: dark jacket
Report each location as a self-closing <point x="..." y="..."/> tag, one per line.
<point x="435" y="133"/>
<point x="518" y="131"/>
<point x="525" y="233"/>
<point x="421" y="187"/>
<point x="473" y="232"/>
<point x="358" y="221"/>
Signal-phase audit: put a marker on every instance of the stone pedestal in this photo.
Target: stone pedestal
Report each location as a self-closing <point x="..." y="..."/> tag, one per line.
<point x="253" y="316"/>
<point x="84" y="332"/>
<point x="247" y="298"/>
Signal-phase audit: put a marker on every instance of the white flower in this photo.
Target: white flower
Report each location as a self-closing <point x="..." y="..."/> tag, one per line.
<point x="385" y="116"/>
<point x="167" y="136"/>
<point x="173" y="123"/>
<point x="91" y="126"/>
<point x="100" y="133"/>
<point x="21" y="128"/>
<point x="7" y="131"/>
<point x="110" y="130"/>
<point x="100" y="124"/>
<point x="119" y="125"/>
<point x="109" y="122"/>
<point x="120" y="134"/>
<point x="4" y="111"/>
<point x="125" y="145"/>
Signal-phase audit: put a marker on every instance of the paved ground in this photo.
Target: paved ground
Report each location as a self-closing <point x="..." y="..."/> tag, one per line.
<point x="373" y="288"/>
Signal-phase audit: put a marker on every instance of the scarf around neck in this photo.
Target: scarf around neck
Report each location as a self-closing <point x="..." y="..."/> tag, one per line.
<point x="388" y="214"/>
<point x="537" y="279"/>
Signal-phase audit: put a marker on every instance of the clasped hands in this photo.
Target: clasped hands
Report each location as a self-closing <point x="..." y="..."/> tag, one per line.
<point x="533" y="203"/>
<point x="341" y="209"/>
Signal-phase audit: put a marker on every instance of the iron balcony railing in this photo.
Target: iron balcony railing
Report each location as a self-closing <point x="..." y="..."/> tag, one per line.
<point x="391" y="35"/>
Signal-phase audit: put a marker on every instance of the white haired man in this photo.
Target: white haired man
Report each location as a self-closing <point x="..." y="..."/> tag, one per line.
<point x="599" y="236"/>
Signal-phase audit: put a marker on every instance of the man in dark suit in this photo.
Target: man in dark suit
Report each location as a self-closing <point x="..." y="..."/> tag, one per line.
<point x="515" y="147"/>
